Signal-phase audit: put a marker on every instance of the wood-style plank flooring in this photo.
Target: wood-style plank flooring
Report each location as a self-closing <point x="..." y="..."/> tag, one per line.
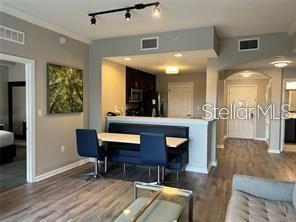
<point x="68" y="197"/>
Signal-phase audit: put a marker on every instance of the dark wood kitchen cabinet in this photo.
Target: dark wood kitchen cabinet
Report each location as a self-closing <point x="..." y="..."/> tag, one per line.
<point x="139" y="80"/>
<point x="290" y="131"/>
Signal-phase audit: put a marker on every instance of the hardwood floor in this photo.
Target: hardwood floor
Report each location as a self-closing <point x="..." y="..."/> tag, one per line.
<point x="68" y="197"/>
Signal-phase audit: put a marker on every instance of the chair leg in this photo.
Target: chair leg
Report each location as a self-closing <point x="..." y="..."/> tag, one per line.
<point x="149" y="170"/>
<point x="163" y="173"/>
<point x="158" y="174"/>
<point x="106" y="164"/>
<point x="96" y="168"/>
<point x="95" y="174"/>
<point x="124" y="167"/>
<point x="177" y="175"/>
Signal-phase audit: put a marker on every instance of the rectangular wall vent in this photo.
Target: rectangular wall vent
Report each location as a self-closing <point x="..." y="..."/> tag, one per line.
<point x="150" y="43"/>
<point x="248" y="44"/>
<point x="12" y="35"/>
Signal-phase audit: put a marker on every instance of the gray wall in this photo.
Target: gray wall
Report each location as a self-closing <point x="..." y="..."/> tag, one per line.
<point x="289" y="73"/>
<point x="199" y="94"/>
<point x="19" y="108"/>
<point x="271" y="45"/>
<point x="52" y="131"/>
<point x="17" y="73"/>
<point x="4" y="95"/>
<point x="175" y="41"/>
<point x="294" y="42"/>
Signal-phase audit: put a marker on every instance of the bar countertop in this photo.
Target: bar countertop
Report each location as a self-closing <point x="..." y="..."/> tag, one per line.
<point x="202" y="138"/>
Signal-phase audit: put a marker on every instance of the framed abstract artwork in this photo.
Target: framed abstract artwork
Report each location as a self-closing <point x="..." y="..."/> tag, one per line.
<point x="65" y="89"/>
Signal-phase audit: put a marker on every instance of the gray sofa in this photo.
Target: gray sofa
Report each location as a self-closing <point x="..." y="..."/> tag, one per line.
<point x="259" y="200"/>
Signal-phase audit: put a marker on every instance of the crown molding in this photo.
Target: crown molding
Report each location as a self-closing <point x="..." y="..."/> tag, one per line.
<point x="292" y="29"/>
<point x="29" y="18"/>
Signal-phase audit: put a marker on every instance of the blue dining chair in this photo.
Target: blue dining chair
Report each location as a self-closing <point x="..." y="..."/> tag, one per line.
<point x="153" y="151"/>
<point x="88" y="146"/>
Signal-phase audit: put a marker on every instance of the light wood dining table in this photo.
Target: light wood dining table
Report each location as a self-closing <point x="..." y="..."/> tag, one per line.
<point x="172" y="142"/>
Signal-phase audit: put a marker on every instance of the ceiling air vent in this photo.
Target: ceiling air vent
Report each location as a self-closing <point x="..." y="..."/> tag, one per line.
<point x="12" y="35"/>
<point x="150" y="43"/>
<point x="248" y="44"/>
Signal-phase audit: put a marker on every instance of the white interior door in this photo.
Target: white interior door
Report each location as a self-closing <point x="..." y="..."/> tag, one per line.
<point x="180" y="99"/>
<point x="242" y="97"/>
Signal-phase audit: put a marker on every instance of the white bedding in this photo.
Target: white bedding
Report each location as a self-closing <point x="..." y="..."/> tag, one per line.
<point x="6" y="138"/>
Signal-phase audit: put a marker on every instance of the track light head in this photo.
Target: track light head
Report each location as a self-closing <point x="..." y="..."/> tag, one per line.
<point x="156" y="11"/>
<point x="93" y="21"/>
<point x="128" y="15"/>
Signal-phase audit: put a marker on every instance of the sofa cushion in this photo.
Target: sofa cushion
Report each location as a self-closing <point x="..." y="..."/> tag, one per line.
<point x="243" y="207"/>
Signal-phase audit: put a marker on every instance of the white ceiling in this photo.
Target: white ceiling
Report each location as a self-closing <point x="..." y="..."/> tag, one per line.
<point x="231" y="17"/>
<point x="190" y="63"/>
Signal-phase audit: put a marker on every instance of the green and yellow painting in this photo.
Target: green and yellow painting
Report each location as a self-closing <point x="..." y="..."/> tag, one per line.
<point x="65" y="89"/>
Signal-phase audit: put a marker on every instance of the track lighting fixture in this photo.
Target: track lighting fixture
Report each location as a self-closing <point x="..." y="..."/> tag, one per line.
<point x="93" y="20"/>
<point x="140" y="6"/>
<point x="128" y="15"/>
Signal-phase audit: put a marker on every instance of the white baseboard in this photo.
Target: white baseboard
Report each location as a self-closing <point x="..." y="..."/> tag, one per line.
<point x="220" y="146"/>
<point x="260" y="139"/>
<point x="196" y="169"/>
<point x="273" y="151"/>
<point x="212" y="164"/>
<point x="60" y="170"/>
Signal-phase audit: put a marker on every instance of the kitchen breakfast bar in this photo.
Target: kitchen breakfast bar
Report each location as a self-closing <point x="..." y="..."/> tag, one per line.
<point x="201" y="137"/>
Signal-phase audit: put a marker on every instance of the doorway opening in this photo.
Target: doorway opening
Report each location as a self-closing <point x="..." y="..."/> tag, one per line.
<point x="289" y="123"/>
<point x="242" y="96"/>
<point x="17" y="120"/>
<point x="247" y="90"/>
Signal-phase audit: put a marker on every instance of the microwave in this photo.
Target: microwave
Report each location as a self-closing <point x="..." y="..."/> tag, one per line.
<point x="136" y="95"/>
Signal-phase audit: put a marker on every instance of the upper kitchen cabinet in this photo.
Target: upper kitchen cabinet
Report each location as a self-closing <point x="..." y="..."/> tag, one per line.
<point x="136" y="79"/>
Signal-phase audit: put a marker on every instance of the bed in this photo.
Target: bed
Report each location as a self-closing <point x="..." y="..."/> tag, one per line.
<point x="7" y="147"/>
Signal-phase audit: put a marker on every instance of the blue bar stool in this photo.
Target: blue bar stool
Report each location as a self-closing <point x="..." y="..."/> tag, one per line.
<point x="153" y="151"/>
<point x="88" y="146"/>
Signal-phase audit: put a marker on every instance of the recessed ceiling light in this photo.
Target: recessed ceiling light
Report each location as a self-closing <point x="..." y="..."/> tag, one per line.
<point x="127" y="59"/>
<point x="281" y="63"/>
<point x="171" y="70"/>
<point x="178" y="55"/>
<point x="246" y="74"/>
